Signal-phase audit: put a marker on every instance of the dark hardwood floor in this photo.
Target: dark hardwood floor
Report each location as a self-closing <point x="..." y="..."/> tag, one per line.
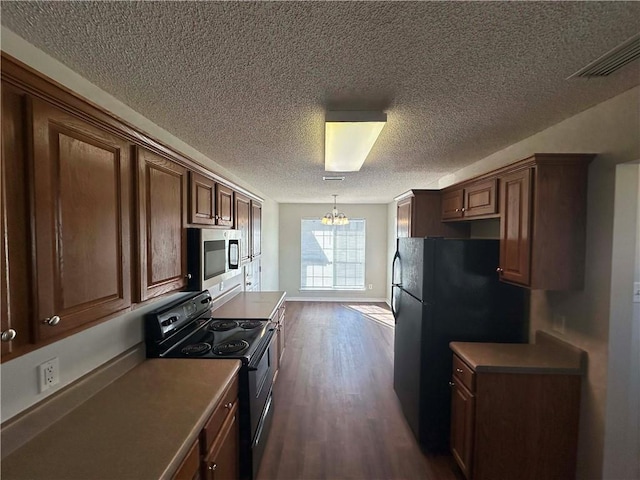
<point x="336" y="415"/>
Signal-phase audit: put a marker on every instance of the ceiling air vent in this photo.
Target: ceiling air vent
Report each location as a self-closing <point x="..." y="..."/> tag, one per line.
<point x="332" y="178"/>
<point x="611" y="61"/>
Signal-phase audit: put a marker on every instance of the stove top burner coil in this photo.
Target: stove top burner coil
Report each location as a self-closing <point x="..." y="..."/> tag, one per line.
<point x="250" y="324"/>
<point x="196" y="349"/>
<point x="223" y="325"/>
<point x="230" y="347"/>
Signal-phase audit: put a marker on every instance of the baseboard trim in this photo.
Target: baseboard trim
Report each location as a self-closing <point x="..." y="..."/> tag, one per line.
<point x="336" y="300"/>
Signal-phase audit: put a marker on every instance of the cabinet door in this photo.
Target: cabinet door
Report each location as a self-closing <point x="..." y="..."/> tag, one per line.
<point x="162" y="199"/>
<point x="453" y="204"/>
<point x="81" y="187"/>
<point x="15" y="242"/>
<point x="189" y="469"/>
<point x="222" y="461"/>
<point x="224" y="205"/>
<point x="462" y="426"/>
<point x="403" y="222"/>
<point x="256" y="228"/>
<point x="515" y="225"/>
<point x="202" y="196"/>
<point x="243" y="213"/>
<point x="480" y="199"/>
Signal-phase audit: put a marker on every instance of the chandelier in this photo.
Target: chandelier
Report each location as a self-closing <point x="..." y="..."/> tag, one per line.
<point x="335" y="217"/>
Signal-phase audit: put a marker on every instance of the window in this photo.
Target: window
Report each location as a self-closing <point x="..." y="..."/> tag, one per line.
<point x="332" y="257"/>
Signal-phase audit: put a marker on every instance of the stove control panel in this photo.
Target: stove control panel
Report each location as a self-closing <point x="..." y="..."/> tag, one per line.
<point x="164" y="321"/>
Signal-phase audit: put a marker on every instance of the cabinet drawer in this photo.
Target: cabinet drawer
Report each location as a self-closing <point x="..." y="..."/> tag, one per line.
<point x="462" y="371"/>
<point x="211" y="429"/>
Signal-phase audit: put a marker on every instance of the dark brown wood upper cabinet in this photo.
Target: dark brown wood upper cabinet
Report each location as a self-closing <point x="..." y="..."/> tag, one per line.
<point x="81" y="210"/>
<point x="477" y="199"/>
<point x="453" y="204"/>
<point x="202" y="197"/>
<point x="515" y="226"/>
<point x="15" y="242"/>
<point x="224" y="205"/>
<point x="480" y="198"/>
<point x="256" y="229"/>
<point x="419" y="215"/>
<point x="243" y="214"/>
<point x="162" y="204"/>
<point x="543" y="205"/>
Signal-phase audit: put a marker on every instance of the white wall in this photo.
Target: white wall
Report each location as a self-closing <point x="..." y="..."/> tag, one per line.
<point x="612" y="130"/>
<point x="81" y="353"/>
<point x="375" y="256"/>
<point x="269" y="258"/>
<point x="621" y="448"/>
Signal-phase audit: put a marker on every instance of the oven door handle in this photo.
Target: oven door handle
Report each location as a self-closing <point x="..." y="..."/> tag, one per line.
<point x="255" y="359"/>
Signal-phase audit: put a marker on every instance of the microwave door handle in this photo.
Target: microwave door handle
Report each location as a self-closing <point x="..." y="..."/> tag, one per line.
<point x="234" y="255"/>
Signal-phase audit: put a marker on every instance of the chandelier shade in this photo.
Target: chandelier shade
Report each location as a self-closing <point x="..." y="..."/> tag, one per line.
<point x="334" y="217"/>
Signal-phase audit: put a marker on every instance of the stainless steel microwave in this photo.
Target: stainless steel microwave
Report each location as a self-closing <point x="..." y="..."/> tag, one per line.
<point x="212" y="256"/>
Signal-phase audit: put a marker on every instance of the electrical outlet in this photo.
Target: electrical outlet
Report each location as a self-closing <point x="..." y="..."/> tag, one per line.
<point x="559" y="323"/>
<point x="49" y="374"/>
<point x="371" y="286"/>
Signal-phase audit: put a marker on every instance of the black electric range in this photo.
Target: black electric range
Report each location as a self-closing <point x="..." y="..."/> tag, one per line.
<point x="186" y="329"/>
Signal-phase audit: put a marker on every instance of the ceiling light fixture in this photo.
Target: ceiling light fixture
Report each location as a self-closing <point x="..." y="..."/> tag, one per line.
<point x="335" y="217"/>
<point x="349" y="137"/>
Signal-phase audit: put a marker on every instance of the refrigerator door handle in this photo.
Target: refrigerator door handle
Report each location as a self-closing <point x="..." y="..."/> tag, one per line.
<point x="394" y="308"/>
<point x="396" y="281"/>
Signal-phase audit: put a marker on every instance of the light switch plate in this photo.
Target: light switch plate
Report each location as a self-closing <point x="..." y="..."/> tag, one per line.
<point x="636" y="292"/>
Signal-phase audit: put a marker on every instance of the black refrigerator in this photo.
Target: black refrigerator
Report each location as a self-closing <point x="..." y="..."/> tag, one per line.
<point x="445" y="290"/>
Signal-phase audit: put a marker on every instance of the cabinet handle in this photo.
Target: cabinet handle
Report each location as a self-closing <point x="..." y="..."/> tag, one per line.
<point x="52" y="321"/>
<point x="459" y="370"/>
<point x="499" y="270"/>
<point x="451" y="384"/>
<point x="213" y="466"/>
<point x="228" y="406"/>
<point x="9" y="335"/>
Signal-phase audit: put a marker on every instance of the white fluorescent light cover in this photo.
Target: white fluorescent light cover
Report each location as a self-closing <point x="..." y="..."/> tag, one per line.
<point x="349" y="137"/>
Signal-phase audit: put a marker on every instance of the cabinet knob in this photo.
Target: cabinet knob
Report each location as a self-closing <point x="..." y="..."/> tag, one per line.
<point x="228" y="406"/>
<point x="499" y="270"/>
<point x="9" y="335"/>
<point x="459" y="370"/>
<point x="457" y="209"/>
<point x="213" y="466"/>
<point x="52" y="321"/>
<point x="462" y="209"/>
<point x="248" y="283"/>
<point x="188" y="276"/>
<point x="451" y="384"/>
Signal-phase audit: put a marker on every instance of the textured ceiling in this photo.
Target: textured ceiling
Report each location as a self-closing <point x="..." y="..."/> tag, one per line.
<point x="247" y="84"/>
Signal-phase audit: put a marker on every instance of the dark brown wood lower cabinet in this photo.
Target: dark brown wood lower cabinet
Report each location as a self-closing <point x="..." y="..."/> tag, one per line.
<point x="462" y="413"/>
<point x="190" y="467"/>
<point x="222" y="461"/>
<point x="508" y="426"/>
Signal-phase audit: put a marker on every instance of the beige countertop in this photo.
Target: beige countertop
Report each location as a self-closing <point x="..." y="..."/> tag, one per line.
<point x="250" y="305"/>
<point x="141" y="426"/>
<point x="548" y="355"/>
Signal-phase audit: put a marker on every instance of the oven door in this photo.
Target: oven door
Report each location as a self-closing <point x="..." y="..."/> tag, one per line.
<point x="261" y="371"/>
